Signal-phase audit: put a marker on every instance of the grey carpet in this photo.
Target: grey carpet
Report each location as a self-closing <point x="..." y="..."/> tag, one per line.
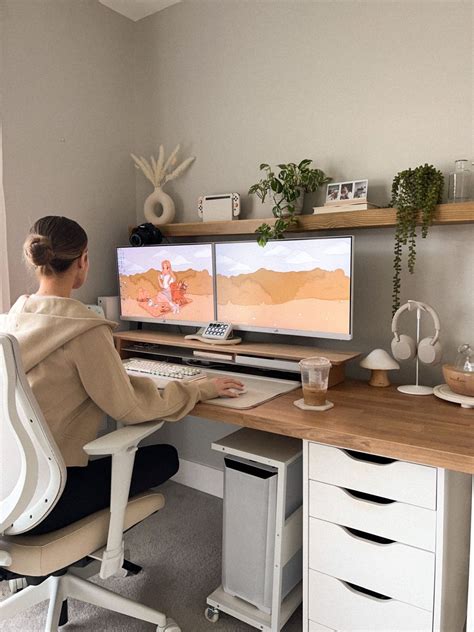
<point x="180" y="551"/>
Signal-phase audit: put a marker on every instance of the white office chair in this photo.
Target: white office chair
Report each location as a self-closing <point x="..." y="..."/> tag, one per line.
<point x="32" y="478"/>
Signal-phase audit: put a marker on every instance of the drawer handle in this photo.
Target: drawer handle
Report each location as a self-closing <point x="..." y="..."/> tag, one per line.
<point x="370" y="458"/>
<point x="368" y="497"/>
<point x="367" y="536"/>
<point x="366" y="591"/>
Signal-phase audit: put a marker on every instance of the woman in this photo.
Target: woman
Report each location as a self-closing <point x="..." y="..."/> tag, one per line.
<point x="77" y="376"/>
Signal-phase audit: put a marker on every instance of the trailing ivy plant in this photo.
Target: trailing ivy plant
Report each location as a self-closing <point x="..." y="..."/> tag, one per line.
<point x="413" y="191"/>
<point x="285" y="190"/>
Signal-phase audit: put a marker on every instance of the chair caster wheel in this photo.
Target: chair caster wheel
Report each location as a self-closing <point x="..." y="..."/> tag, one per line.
<point x="171" y="626"/>
<point x="211" y="614"/>
<point x="17" y="584"/>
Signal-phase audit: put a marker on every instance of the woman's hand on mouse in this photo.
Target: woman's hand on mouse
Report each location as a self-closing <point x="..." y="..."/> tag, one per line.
<point x="227" y="386"/>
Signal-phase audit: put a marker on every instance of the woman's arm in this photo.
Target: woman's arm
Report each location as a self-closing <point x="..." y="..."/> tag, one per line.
<point x="131" y="400"/>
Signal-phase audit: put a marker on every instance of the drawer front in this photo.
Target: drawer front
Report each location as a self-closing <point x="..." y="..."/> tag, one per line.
<point x="395" y="570"/>
<point x="397" y="521"/>
<point x="340" y="607"/>
<point x="317" y="627"/>
<point x="397" y="480"/>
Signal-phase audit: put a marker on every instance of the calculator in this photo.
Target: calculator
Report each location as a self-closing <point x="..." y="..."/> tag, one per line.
<point x="217" y="331"/>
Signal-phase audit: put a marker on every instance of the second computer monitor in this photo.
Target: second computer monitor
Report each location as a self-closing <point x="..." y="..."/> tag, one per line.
<point x="167" y="283"/>
<point x="296" y="286"/>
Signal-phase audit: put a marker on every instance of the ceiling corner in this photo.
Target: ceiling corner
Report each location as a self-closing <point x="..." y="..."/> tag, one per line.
<point x="137" y="9"/>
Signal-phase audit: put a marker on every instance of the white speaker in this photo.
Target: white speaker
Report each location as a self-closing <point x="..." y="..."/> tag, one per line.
<point x="111" y="308"/>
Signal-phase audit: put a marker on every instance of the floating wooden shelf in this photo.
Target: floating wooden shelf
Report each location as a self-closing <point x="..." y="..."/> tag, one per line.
<point x="462" y="213"/>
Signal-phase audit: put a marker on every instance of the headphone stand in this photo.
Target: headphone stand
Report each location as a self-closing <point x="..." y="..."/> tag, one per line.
<point x="416" y="389"/>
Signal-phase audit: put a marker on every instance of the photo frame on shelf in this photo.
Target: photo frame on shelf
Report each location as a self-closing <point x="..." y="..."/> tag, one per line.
<point x="338" y="192"/>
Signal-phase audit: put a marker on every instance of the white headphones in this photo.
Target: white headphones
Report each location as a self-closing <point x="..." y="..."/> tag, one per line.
<point x="405" y="348"/>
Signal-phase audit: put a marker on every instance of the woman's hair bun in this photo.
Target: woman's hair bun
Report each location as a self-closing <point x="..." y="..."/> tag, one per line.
<point x="53" y="244"/>
<point x="38" y="250"/>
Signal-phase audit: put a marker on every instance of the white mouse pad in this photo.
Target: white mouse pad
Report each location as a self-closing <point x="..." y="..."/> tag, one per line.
<point x="259" y="389"/>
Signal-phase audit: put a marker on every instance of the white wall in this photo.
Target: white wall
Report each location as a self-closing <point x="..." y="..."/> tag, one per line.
<point x="365" y="89"/>
<point x="67" y="93"/>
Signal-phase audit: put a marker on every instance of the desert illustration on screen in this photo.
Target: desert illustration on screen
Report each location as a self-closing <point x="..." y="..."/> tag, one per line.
<point x="166" y="292"/>
<point x="285" y="290"/>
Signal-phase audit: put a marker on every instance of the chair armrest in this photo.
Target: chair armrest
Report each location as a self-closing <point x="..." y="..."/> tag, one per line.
<point x="121" y="439"/>
<point x="122" y="445"/>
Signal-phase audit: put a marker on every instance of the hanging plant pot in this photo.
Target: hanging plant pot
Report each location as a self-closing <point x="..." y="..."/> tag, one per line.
<point x="159" y="198"/>
<point x="414" y="191"/>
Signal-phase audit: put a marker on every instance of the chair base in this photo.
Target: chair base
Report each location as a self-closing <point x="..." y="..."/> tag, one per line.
<point x="58" y="589"/>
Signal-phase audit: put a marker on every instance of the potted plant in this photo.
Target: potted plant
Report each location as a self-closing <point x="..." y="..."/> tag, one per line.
<point x="413" y="191"/>
<point x="287" y="190"/>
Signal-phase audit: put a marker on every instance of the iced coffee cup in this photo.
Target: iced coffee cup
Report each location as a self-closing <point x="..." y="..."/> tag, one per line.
<point x="314" y="377"/>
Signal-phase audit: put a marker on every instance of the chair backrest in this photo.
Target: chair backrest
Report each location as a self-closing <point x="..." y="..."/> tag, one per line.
<point x="32" y="470"/>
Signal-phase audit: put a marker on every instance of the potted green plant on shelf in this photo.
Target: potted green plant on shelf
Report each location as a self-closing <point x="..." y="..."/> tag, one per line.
<point x="286" y="190"/>
<point x="414" y="191"/>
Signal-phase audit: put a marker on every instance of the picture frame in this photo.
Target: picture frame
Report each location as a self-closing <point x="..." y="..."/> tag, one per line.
<point x="347" y="191"/>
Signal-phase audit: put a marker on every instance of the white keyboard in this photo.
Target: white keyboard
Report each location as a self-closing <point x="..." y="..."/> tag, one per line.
<point x="162" y="373"/>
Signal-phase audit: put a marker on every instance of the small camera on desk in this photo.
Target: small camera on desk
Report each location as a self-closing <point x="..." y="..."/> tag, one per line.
<point x="145" y="235"/>
<point x="219" y="207"/>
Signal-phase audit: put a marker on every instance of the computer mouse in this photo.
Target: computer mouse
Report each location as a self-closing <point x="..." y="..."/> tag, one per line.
<point x="237" y="391"/>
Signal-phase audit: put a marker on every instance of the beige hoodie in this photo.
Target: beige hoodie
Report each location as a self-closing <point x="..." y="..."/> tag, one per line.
<point x="76" y="374"/>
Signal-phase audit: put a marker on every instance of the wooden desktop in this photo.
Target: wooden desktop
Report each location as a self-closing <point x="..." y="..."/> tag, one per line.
<point x="375" y="420"/>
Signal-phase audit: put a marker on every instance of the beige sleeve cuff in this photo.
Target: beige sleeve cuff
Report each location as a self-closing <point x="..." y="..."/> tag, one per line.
<point x="207" y="390"/>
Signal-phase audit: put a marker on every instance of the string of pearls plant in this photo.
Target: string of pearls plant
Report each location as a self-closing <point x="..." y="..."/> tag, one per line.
<point x="413" y="191"/>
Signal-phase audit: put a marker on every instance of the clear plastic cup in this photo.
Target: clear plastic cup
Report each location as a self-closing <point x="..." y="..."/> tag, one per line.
<point x="314" y="376"/>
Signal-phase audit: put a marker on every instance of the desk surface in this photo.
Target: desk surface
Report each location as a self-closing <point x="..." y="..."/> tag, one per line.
<point x="381" y="421"/>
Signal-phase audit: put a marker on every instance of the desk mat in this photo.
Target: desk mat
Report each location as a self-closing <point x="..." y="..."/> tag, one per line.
<point x="260" y="389"/>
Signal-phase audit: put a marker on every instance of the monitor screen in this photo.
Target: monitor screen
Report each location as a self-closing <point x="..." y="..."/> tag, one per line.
<point x="167" y="283"/>
<point x="296" y="286"/>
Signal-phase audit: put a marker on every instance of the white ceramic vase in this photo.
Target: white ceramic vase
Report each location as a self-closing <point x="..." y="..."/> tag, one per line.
<point x="158" y="196"/>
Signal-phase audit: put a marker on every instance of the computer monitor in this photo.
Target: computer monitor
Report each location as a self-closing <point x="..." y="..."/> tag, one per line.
<point x="301" y="287"/>
<point x="167" y="283"/>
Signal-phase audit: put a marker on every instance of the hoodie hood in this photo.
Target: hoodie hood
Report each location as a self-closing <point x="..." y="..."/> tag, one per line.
<point x="43" y="324"/>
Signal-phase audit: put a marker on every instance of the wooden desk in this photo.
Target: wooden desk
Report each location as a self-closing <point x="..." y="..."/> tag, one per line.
<point x="381" y="421"/>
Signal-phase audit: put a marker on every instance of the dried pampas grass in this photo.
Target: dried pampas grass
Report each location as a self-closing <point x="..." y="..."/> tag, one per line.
<point x="157" y="169"/>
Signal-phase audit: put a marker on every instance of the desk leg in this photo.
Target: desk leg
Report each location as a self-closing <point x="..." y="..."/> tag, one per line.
<point x="470" y="592"/>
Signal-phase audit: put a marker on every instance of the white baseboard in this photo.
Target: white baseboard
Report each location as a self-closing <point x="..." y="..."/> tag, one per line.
<point x="202" y="477"/>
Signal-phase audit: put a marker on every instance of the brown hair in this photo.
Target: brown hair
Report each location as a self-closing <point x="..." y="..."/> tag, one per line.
<point x="53" y="243"/>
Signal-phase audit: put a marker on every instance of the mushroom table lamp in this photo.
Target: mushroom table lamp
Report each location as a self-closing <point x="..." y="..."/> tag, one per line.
<point x="379" y="362"/>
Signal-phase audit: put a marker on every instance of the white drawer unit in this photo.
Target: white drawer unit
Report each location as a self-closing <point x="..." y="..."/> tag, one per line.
<point x="385" y="544"/>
